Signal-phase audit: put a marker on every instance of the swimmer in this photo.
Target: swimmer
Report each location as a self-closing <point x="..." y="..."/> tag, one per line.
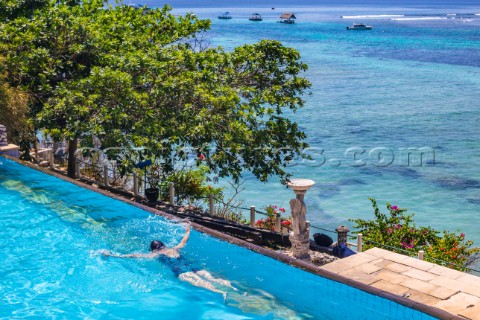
<point x="180" y="267"/>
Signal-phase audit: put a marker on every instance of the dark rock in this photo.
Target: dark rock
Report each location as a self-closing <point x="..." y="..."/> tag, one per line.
<point x="322" y="239"/>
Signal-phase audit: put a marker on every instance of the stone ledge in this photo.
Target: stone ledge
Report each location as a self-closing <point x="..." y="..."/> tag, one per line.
<point x="10" y="150"/>
<point x="10" y="147"/>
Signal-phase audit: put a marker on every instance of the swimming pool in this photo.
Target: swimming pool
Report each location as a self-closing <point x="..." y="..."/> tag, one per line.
<point x="51" y="234"/>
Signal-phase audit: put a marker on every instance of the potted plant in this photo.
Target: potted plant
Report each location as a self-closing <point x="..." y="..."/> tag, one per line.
<point x="154" y="176"/>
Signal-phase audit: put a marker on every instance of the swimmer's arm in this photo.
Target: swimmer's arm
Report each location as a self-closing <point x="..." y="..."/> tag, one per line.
<point x="184" y="240"/>
<point x="132" y="255"/>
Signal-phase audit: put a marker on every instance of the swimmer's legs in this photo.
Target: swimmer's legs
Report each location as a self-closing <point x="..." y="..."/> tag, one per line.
<point x="195" y="280"/>
<point x="207" y="275"/>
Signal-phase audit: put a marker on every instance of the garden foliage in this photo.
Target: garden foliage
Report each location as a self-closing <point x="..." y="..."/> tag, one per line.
<point x="269" y="221"/>
<point x="136" y="78"/>
<point x="397" y="231"/>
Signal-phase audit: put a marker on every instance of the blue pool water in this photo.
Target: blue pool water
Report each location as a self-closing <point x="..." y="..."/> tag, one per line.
<point x="411" y="82"/>
<point x="51" y="232"/>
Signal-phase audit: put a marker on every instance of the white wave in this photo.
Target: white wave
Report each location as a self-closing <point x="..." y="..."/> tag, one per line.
<point x="419" y="18"/>
<point x="451" y="14"/>
<point x="477" y="14"/>
<point x="373" y="16"/>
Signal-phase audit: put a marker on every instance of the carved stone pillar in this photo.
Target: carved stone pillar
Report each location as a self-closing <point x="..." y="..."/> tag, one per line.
<point x="3" y="136"/>
<point x="299" y="237"/>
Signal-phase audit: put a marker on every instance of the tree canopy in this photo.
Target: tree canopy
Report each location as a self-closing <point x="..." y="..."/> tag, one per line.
<point x="139" y="78"/>
<point x="14" y="111"/>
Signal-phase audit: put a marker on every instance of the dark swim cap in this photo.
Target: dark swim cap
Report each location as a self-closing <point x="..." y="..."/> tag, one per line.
<point x="156" y="245"/>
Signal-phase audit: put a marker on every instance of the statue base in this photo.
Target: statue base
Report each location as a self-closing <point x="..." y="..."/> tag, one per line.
<point x="300" y="246"/>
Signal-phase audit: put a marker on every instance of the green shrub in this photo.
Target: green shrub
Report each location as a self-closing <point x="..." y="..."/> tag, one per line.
<point x="191" y="185"/>
<point x="398" y="232"/>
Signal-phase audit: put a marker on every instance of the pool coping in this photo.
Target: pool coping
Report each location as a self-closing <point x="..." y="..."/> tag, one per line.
<point x="306" y="266"/>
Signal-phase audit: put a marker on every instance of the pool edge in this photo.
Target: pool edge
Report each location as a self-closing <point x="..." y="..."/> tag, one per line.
<point x="306" y="266"/>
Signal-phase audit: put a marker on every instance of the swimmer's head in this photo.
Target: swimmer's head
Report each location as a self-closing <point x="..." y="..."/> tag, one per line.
<point x="156" y="245"/>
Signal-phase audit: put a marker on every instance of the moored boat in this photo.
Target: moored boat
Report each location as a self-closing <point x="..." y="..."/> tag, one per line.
<point x="288" y="18"/>
<point x="255" y="17"/>
<point x="359" y="26"/>
<point x="225" y="16"/>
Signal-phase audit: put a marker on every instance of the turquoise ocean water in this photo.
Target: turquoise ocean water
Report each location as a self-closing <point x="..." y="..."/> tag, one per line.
<point x="411" y="82"/>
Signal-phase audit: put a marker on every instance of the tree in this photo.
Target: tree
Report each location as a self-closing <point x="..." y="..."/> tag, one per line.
<point x="137" y="78"/>
<point x="65" y="47"/>
<point x="12" y="9"/>
<point x="14" y="113"/>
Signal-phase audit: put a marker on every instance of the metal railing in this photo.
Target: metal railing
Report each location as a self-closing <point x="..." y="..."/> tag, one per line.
<point x="133" y="183"/>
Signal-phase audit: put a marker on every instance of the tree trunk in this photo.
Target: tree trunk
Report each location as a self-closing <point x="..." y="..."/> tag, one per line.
<point x="72" y="163"/>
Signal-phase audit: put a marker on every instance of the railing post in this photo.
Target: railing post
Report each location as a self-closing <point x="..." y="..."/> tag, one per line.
<point x="105" y="175"/>
<point x="308" y="228"/>
<point x="50" y="158"/>
<point x="77" y="168"/>
<point x="135" y="184"/>
<point x="278" y="222"/>
<point x="171" y="193"/>
<point x="212" y="204"/>
<point x="252" y="216"/>
<point x="359" y="242"/>
<point x="421" y="254"/>
<point x="342" y="235"/>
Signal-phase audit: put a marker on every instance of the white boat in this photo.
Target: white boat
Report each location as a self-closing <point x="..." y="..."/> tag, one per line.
<point x="255" y="17"/>
<point x="359" y="26"/>
<point x="225" y="16"/>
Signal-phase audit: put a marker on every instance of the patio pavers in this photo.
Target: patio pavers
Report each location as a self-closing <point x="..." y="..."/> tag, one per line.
<point x="455" y="292"/>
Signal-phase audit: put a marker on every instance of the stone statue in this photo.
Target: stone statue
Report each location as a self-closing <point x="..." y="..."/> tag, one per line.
<point x="299" y="216"/>
<point x="299" y="237"/>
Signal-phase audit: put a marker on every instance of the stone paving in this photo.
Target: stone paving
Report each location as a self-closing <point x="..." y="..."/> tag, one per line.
<point x="424" y="282"/>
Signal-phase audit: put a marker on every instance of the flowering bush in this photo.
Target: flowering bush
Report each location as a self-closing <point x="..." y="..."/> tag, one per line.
<point x="398" y="230"/>
<point x="269" y="221"/>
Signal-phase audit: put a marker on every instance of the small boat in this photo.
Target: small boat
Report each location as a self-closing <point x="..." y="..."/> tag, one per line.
<point x="359" y="26"/>
<point x="225" y="16"/>
<point x="288" y="18"/>
<point x="143" y="7"/>
<point x="255" y="17"/>
<point x="135" y="6"/>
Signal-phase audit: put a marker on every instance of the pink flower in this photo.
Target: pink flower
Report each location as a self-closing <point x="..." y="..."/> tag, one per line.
<point x="462" y="235"/>
<point x="389" y="230"/>
<point x="282" y="209"/>
<point x="394" y="207"/>
<point x="286" y="223"/>
<point x="201" y="157"/>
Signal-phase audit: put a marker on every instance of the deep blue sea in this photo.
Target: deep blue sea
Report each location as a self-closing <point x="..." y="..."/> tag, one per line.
<point x="411" y="82"/>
